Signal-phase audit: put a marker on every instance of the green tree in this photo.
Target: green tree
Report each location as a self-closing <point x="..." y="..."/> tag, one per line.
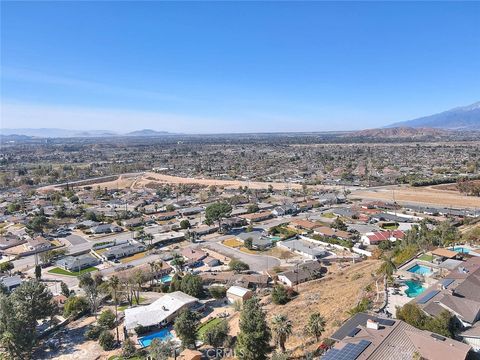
<point x="64" y="289"/>
<point x="282" y="329"/>
<point x="339" y="224"/>
<point x="90" y="287"/>
<point x="252" y="208"/>
<point x="185" y="224"/>
<point x="75" y="305"/>
<point x="217" y="212"/>
<point x="112" y="286"/>
<point x="106" y="340"/>
<point x="107" y="319"/>
<point x="192" y="285"/>
<point x="161" y="350"/>
<point x="217" y="334"/>
<point x="238" y="266"/>
<point x="6" y="266"/>
<point x="217" y="292"/>
<point x="38" y="272"/>
<point x="186" y="325"/>
<point x="128" y="349"/>
<point x="388" y="267"/>
<point x="248" y="243"/>
<point x="280" y="295"/>
<point x="315" y="326"/>
<point x="170" y="208"/>
<point x="19" y="314"/>
<point x="254" y="338"/>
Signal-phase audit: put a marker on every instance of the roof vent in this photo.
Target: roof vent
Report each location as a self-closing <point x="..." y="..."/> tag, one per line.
<point x="372" y="324"/>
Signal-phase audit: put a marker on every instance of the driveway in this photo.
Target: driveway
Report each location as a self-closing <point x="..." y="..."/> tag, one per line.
<point x="256" y="262"/>
<point x="75" y="239"/>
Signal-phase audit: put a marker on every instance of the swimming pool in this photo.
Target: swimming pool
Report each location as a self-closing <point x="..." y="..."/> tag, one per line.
<point x="415" y="288"/>
<point x="166" y="279"/>
<point x="162" y="335"/>
<point x="420" y="270"/>
<point x="460" y="249"/>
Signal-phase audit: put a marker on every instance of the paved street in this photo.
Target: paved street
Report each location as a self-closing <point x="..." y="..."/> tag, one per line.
<point x="256" y="262"/>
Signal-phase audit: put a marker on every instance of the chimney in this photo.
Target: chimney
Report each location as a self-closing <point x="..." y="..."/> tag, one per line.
<point x="372" y="324"/>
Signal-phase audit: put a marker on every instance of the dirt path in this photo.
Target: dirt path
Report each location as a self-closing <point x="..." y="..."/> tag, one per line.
<point x="419" y="195"/>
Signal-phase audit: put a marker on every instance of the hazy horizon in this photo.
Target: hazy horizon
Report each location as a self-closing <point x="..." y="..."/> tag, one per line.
<point x="234" y="67"/>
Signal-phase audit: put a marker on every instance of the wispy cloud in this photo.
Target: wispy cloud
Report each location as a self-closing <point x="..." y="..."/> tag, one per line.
<point x="26" y="75"/>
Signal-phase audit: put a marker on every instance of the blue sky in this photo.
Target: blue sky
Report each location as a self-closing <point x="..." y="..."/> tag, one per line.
<point x="235" y="67"/>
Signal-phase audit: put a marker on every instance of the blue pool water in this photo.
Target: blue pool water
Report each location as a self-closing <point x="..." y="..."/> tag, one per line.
<point x="162" y="335"/>
<point x="166" y="279"/>
<point x="460" y="249"/>
<point x="420" y="270"/>
<point x="415" y="288"/>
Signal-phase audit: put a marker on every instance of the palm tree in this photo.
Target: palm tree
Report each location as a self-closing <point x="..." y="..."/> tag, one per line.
<point x="113" y="286"/>
<point x="315" y="326"/>
<point x="282" y="328"/>
<point x="387" y="267"/>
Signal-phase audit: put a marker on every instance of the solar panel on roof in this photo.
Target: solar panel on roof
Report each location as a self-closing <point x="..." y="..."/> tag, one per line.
<point x="427" y="297"/>
<point x="348" y="352"/>
<point x="353" y="332"/>
<point x="447" y="282"/>
<point x="386" y="322"/>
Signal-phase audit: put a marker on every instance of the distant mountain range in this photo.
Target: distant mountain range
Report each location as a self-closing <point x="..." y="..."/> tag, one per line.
<point x="64" y="133"/>
<point x="460" y="118"/>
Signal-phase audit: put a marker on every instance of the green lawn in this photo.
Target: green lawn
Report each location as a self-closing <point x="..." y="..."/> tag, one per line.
<point x="208" y="325"/>
<point x="123" y="307"/>
<point x="329" y="215"/>
<point x="426" y="257"/>
<point x="60" y="271"/>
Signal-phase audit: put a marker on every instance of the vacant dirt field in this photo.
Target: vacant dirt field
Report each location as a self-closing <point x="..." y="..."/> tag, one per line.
<point x="151" y="179"/>
<point x="428" y="195"/>
<point x="332" y="296"/>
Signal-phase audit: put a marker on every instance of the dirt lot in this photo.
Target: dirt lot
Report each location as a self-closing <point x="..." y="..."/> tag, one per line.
<point x="429" y="195"/>
<point x="332" y="296"/>
<point x="149" y="179"/>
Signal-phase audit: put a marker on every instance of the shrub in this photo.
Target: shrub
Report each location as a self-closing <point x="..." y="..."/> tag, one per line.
<point x="140" y="330"/>
<point x="128" y="349"/>
<point x="280" y="295"/>
<point x="107" y="319"/>
<point x="237" y="265"/>
<point x="218" y="292"/>
<point x="106" y="340"/>
<point x="93" y="332"/>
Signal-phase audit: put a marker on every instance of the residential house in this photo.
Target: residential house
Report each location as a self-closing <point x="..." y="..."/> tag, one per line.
<point x="105" y="229"/>
<point x="238" y="294"/>
<point x="77" y="263"/>
<point x="256" y="217"/>
<point x="301" y="273"/>
<point x="133" y="222"/>
<point x="10" y="240"/>
<point x="162" y="216"/>
<point x="458" y="292"/>
<point x="375" y="238"/>
<point x="38" y="243"/>
<point x="194" y="256"/>
<point x="370" y="337"/>
<point x="329" y="232"/>
<point x="11" y="282"/>
<point x="283" y="210"/>
<point x="123" y="250"/>
<point x="159" y="313"/>
<point x="305" y="248"/>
